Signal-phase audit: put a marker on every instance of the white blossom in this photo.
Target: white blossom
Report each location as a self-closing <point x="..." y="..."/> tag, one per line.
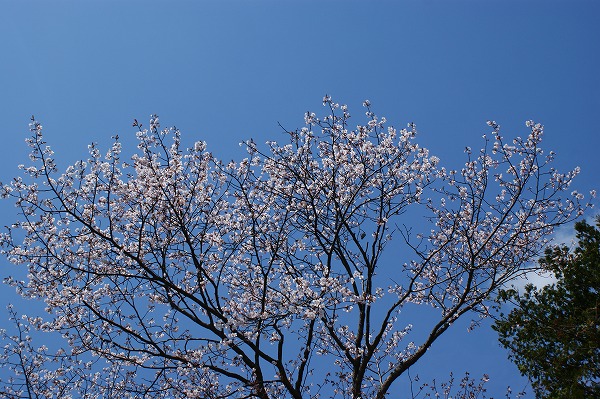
<point x="226" y="279"/>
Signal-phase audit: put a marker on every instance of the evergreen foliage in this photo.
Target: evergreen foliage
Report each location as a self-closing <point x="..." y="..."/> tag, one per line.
<point x="553" y="334"/>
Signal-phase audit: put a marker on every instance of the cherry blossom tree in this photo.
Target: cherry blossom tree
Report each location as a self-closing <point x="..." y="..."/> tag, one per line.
<point x="270" y="277"/>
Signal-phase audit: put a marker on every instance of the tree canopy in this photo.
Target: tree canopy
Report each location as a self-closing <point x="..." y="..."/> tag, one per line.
<point x="191" y="277"/>
<point x="553" y="333"/>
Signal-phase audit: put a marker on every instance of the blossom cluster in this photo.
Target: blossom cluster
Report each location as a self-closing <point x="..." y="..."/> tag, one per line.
<point x="197" y="278"/>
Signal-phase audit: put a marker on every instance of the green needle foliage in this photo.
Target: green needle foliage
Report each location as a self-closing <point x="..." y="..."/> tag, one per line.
<point x="553" y="333"/>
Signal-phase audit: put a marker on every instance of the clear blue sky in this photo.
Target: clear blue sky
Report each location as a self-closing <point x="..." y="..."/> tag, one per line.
<point x="225" y="71"/>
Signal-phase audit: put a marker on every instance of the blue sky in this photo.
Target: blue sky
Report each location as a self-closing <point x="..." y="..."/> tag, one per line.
<point x="225" y="71"/>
